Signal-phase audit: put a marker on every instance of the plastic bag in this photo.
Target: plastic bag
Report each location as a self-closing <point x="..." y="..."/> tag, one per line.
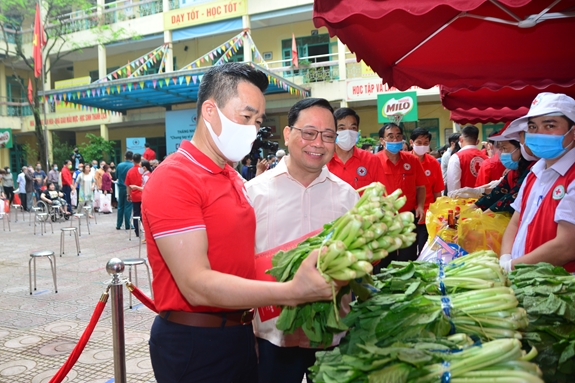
<point x="436" y="217"/>
<point x="106" y="203"/>
<point x="437" y="250"/>
<point x="478" y="231"/>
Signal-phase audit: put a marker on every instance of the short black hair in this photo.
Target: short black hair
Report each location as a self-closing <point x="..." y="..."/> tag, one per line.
<point x="137" y="157"/>
<point x="453" y="137"/>
<point x="366" y="146"/>
<point x="66" y="162"/>
<point x="129" y="155"/>
<point x="495" y="133"/>
<point x="307" y="103"/>
<point x="417" y="132"/>
<point x="146" y="145"/>
<point x="342" y="113"/>
<point x="389" y="126"/>
<point x="470" y="133"/>
<point x="221" y="83"/>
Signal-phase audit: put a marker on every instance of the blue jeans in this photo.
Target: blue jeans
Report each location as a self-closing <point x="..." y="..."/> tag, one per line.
<point x="124" y="209"/>
<point x="187" y="354"/>
<point x="67" y="190"/>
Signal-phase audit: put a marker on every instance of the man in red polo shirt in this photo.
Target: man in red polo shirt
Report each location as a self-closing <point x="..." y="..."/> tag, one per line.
<point x="402" y="171"/>
<point x="134" y="178"/>
<point x="491" y="169"/>
<point x="355" y="166"/>
<point x="67" y="183"/>
<point x="200" y="234"/>
<point x="464" y="165"/>
<point x="149" y="153"/>
<point x="542" y="228"/>
<point x="420" y="140"/>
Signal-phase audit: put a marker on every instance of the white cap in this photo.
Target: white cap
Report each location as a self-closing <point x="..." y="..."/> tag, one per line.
<point x="280" y="153"/>
<point x="556" y="104"/>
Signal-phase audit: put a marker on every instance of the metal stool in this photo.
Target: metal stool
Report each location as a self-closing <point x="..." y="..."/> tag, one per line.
<point x="5" y="216"/>
<point x="45" y="253"/>
<point x="79" y="216"/>
<point x="33" y="210"/>
<point x="42" y="218"/>
<point x="90" y="211"/>
<point x="135" y="262"/>
<point x="69" y="230"/>
<point x="17" y="207"/>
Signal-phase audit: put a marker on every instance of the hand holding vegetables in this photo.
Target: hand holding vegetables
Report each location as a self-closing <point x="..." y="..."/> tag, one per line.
<point x="349" y="245"/>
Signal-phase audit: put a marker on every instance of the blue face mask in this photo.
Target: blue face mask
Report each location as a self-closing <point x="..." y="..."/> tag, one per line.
<point x="394" y="147"/>
<point x="507" y="160"/>
<point x="545" y="145"/>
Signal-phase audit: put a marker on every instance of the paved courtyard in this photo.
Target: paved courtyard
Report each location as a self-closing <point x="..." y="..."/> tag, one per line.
<point x="37" y="332"/>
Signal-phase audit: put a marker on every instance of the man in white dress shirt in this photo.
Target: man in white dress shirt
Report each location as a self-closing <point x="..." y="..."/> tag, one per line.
<point x="294" y="198"/>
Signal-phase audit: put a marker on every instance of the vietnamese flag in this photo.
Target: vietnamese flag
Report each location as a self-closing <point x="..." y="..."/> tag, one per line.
<point x="30" y="92"/>
<point x="294" y="56"/>
<point x="38" y="43"/>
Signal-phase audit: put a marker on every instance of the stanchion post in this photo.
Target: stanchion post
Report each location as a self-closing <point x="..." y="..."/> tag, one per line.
<point x="115" y="267"/>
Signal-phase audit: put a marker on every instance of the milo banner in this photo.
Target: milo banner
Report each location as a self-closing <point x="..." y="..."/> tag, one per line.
<point x="390" y="104"/>
<point x="6" y="138"/>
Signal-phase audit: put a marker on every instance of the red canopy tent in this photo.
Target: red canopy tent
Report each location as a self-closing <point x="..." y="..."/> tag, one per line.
<point x="506" y="97"/>
<point x="474" y="115"/>
<point x="457" y="43"/>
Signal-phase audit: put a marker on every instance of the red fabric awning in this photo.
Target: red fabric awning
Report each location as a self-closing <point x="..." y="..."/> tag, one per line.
<point x="483" y="116"/>
<point x="465" y="50"/>
<point x="506" y="97"/>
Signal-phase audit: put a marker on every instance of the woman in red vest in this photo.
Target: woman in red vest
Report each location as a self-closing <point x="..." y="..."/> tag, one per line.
<point x="542" y="228"/>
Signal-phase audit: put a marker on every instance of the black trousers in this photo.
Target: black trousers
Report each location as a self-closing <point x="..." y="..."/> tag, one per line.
<point x="284" y="364"/>
<point x="137" y="212"/>
<point x="9" y="191"/>
<point x="422" y="236"/>
<point x="24" y="201"/>
<point x="67" y="190"/>
<point x="189" y="354"/>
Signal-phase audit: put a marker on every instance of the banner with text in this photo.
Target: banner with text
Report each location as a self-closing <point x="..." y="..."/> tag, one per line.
<point x="74" y="120"/>
<point x="404" y="103"/>
<point x="136" y="144"/>
<point x="204" y="13"/>
<point x="180" y="125"/>
<point x="6" y="138"/>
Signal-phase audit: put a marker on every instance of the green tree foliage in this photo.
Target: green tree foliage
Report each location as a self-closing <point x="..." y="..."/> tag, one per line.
<point x="16" y="33"/>
<point x="97" y="149"/>
<point x="60" y="151"/>
<point x="367" y="140"/>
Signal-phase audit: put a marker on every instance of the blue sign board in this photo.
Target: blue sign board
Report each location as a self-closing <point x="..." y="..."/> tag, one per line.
<point x="180" y="125"/>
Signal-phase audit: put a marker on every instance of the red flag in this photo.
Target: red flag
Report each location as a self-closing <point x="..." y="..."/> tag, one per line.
<point x="38" y="43"/>
<point x="294" y="57"/>
<point x="30" y="92"/>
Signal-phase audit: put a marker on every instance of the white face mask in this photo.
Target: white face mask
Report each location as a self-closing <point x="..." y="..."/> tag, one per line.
<point x="141" y="170"/>
<point x="235" y="140"/>
<point x="421" y="150"/>
<point x="526" y="155"/>
<point x="346" y="139"/>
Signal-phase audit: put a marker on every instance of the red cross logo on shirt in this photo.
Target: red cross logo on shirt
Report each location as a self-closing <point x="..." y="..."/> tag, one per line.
<point x="559" y="192"/>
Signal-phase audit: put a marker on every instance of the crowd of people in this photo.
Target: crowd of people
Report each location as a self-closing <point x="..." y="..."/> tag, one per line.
<point x="204" y="230"/>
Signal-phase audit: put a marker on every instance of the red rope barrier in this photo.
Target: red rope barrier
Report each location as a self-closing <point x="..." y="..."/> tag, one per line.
<point x="141" y="296"/>
<point x="75" y="354"/>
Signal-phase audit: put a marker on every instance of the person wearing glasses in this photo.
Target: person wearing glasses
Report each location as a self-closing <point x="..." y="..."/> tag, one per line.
<point x="402" y="171"/>
<point x="355" y="166"/>
<point x="297" y="196"/>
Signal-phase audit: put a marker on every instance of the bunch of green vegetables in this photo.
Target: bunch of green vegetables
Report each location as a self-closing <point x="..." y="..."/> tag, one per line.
<point x="385" y="318"/>
<point x="348" y="247"/>
<point x="478" y="270"/>
<point x="547" y="293"/>
<point x="453" y="359"/>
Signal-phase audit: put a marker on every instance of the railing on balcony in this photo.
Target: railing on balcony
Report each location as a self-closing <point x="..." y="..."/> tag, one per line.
<point x="316" y="68"/>
<point x="9" y="35"/>
<point x="83" y="20"/>
<point x="14" y="107"/>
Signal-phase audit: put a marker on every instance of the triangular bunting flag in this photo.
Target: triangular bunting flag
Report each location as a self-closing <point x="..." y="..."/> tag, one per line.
<point x="167" y="81"/>
<point x="142" y="84"/>
<point x="195" y="78"/>
<point x="180" y="80"/>
<point x="188" y="78"/>
<point x="154" y="82"/>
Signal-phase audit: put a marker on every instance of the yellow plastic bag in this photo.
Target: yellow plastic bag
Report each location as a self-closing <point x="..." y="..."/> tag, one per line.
<point x="477" y="231"/>
<point x="436" y="217"/>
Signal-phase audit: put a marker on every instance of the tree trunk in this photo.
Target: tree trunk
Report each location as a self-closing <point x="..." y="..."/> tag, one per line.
<point x="39" y="132"/>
